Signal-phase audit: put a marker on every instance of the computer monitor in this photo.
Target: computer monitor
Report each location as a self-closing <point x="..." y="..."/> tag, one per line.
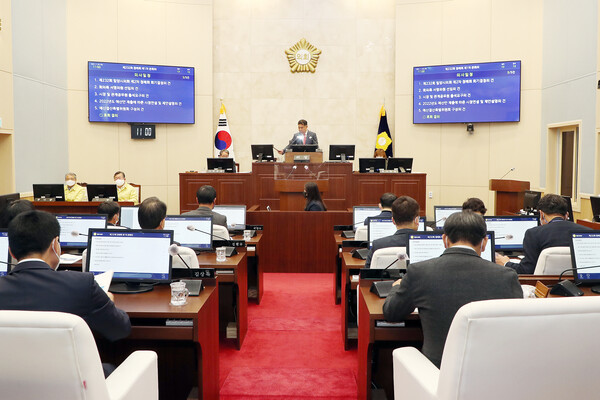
<point x="441" y="213"/>
<point x="341" y="152"/>
<point x="510" y="230"/>
<point x="371" y="164"/>
<point x="197" y="238"/>
<point x="595" y="203"/>
<point x="401" y="164"/>
<point x="379" y="228"/>
<point x="48" y="191"/>
<point x="427" y="245"/>
<point x="236" y="216"/>
<point x="531" y="199"/>
<point x="129" y="217"/>
<point x="585" y="253"/>
<point x="422" y="225"/>
<point x="569" y="208"/>
<point x="262" y="152"/>
<point x="74" y="228"/>
<point x="4" y="254"/>
<point x="225" y="164"/>
<point x="102" y="191"/>
<point x="139" y="258"/>
<point x="361" y="213"/>
<point x="304" y="148"/>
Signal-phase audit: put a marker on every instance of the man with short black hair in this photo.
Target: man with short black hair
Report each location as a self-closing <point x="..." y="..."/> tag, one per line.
<point x="555" y="230"/>
<point x="405" y="215"/>
<point x="440" y="286"/>
<point x="112" y="211"/>
<point x="206" y="197"/>
<point x="474" y="204"/>
<point x="35" y="285"/>
<point x="385" y="205"/>
<point x="303" y="136"/>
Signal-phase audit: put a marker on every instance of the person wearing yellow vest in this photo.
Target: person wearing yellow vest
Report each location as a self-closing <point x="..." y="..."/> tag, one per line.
<point x="74" y="192"/>
<point x="125" y="191"/>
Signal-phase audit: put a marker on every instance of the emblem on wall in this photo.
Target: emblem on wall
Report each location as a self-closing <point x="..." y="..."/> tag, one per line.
<point x="303" y="57"/>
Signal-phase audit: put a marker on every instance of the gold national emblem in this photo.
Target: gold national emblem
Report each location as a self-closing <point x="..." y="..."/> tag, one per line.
<point x="303" y="56"/>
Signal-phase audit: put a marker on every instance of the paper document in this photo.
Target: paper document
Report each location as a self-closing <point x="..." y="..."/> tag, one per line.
<point x="104" y="279"/>
<point x="69" y="258"/>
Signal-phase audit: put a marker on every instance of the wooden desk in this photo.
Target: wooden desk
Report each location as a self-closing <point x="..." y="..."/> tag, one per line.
<point x="350" y="266"/>
<point x="255" y="272"/>
<point x="72" y="207"/>
<point x="589" y="224"/>
<point x="187" y="356"/>
<point x="232" y="271"/>
<point x="237" y="188"/>
<point x="337" y="273"/>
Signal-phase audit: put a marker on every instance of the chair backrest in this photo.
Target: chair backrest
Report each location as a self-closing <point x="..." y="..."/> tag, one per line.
<point x="382" y="258"/>
<point x="219" y="231"/>
<point x="553" y="261"/>
<point x="361" y="233"/>
<point x="188" y="255"/>
<point x="48" y="355"/>
<point x="138" y="188"/>
<point x="522" y="349"/>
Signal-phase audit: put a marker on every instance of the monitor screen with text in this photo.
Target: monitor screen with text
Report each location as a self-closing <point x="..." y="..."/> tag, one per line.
<point x="379" y="228"/>
<point x="510" y="230"/>
<point x="361" y="213"/>
<point x="585" y="253"/>
<point x="133" y="255"/>
<point x="74" y="228"/>
<point x="441" y="213"/>
<point x="129" y="217"/>
<point x="425" y="246"/>
<point x="4" y="254"/>
<point x="421" y="224"/>
<point x="236" y="216"/>
<point x="198" y="237"/>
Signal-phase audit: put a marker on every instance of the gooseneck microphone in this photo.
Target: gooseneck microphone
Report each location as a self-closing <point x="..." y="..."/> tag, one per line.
<point x="230" y="251"/>
<point x="174" y="251"/>
<point x="77" y="233"/>
<point x="507" y="237"/>
<point x="399" y="256"/>
<point x="8" y="263"/>
<point x="509" y="171"/>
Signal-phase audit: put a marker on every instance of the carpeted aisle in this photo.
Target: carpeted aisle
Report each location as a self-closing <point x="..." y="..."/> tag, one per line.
<point x="293" y="349"/>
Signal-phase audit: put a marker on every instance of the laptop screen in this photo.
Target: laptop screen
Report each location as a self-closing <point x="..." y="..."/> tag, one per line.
<point x="585" y="252"/>
<point x="379" y="228"/>
<point x="199" y="237"/>
<point x="428" y="245"/>
<point x="236" y="216"/>
<point x="133" y="255"/>
<point x="360" y="213"/>
<point x="4" y="255"/>
<point x="129" y="217"/>
<point x="74" y="228"/>
<point x="510" y="230"/>
<point x="442" y="212"/>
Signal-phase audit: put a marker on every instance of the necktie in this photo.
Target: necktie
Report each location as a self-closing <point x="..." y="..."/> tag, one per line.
<point x="305" y="138"/>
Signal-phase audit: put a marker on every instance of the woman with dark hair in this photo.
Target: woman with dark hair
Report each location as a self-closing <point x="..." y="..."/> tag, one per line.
<point x="313" y="198"/>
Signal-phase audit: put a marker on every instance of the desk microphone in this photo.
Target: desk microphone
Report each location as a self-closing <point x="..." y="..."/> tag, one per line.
<point x="509" y="171"/>
<point x="174" y="251"/>
<point x="440" y="220"/>
<point x="507" y="237"/>
<point x="77" y="233"/>
<point x="568" y="288"/>
<point x="8" y="263"/>
<point x="399" y="256"/>
<point x="230" y="250"/>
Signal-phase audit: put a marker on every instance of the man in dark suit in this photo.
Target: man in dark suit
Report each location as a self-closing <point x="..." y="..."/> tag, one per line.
<point x="206" y="197"/>
<point x="405" y="215"/>
<point x="555" y="230"/>
<point x="303" y="136"/>
<point x="35" y="285"/>
<point x="440" y="286"/>
<point x="385" y="204"/>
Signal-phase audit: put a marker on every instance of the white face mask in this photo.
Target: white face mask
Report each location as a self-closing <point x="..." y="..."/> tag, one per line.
<point x="120" y="182"/>
<point x="56" y="254"/>
<point x="70" y="182"/>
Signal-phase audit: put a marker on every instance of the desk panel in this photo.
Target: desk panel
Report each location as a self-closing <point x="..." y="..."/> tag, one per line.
<point x="236" y="188"/>
<point x="72" y="207"/>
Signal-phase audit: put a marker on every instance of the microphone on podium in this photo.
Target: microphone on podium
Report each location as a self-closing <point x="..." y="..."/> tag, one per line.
<point x="508" y="172"/>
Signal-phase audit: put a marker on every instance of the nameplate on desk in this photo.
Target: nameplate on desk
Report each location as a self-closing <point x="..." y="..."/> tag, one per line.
<point x="178" y="273"/>
<point x="368" y="273"/>
<point x="228" y="243"/>
<point x="254" y="227"/>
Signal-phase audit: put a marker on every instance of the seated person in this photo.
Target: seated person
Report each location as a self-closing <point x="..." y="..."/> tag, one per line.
<point x="474" y="204"/>
<point x="379" y="153"/>
<point x="74" y="192"/>
<point x="125" y="191"/>
<point x="206" y="196"/>
<point x="313" y="198"/>
<point x="555" y="230"/>
<point x="385" y="204"/>
<point x="405" y="215"/>
<point x="35" y="285"/>
<point x="303" y="136"/>
<point x="14" y="208"/>
<point x="151" y="215"/>
<point x="224" y="153"/>
<point x="440" y="286"/>
<point x="113" y="212"/>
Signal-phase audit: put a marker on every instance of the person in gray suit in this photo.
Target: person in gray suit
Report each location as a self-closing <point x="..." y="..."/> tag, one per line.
<point x="405" y="215"/>
<point x="440" y="286"/>
<point x="303" y="136"/>
<point x="206" y="197"/>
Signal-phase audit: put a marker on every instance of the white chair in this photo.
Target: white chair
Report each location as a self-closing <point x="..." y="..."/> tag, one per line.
<point x="361" y="233"/>
<point x="220" y="232"/>
<point x="188" y="255"/>
<point x="509" y="349"/>
<point x="53" y="355"/>
<point x="382" y="258"/>
<point x="553" y="261"/>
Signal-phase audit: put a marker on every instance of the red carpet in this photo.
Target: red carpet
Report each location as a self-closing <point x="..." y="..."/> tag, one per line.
<point x="293" y="349"/>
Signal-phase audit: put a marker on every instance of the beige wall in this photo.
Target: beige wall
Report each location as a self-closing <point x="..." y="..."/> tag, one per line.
<point x="145" y="32"/>
<point x="7" y="180"/>
<point x="459" y="165"/>
<point x="341" y="100"/>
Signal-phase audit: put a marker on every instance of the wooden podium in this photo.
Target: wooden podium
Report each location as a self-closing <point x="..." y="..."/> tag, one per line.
<point x="509" y="195"/>
<point x="291" y="192"/>
<point x="316" y="157"/>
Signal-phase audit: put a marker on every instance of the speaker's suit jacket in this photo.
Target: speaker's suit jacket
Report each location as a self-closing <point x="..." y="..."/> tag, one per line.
<point x="440" y="286"/>
<point x="311" y="138"/>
